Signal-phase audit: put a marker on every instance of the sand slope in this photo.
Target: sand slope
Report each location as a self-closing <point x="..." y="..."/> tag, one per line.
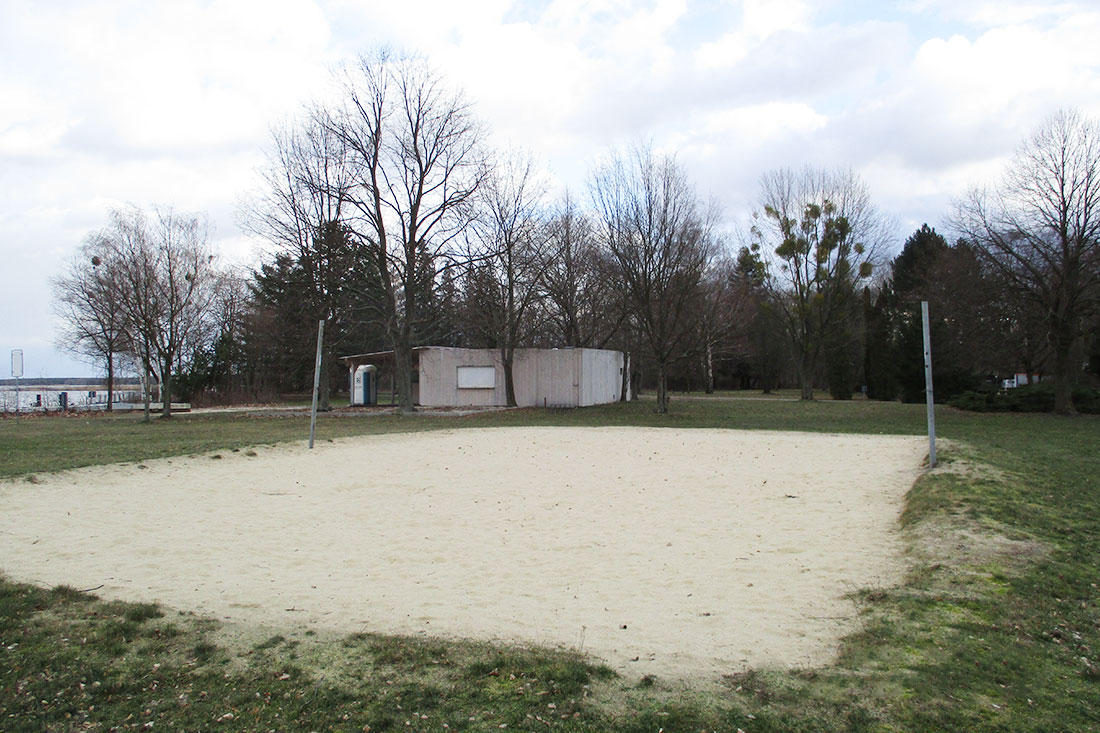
<point x="661" y="551"/>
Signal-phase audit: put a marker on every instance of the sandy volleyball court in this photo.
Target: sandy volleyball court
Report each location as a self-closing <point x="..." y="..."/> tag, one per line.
<point x="661" y="551"/>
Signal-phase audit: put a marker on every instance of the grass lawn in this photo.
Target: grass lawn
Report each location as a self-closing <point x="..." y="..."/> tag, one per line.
<point x="996" y="627"/>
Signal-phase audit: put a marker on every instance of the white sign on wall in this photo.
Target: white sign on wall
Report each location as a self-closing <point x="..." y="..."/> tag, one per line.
<point x="477" y="377"/>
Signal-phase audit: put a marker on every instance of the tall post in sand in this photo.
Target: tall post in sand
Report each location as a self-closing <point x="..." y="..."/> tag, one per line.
<point x="316" y="382"/>
<point x="929" y="402"/>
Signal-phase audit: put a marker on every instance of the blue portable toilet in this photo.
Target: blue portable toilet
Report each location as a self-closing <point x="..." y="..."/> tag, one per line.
<point x="364" y="385"/>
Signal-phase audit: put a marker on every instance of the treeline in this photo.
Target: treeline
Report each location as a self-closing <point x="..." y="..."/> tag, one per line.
<point x="386" y="216"/>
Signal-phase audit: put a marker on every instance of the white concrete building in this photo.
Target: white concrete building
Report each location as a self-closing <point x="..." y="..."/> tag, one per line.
<point x="451" y="377"/>
<point x="39" y="394"/>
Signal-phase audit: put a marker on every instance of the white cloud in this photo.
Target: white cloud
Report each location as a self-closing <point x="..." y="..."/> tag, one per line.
<point x="162" y="77"/>
<point x="30" y="124"/>
<point x="728" y="50"/>
<point x="991" y="13"/>
<point x="962" y="101"/>
<point x="765" y="17"/>
<point x="760" y="124"/>
<point x="1005" y="67"/>
<point x="761" y="19"/>
<point x="640" y="39"/>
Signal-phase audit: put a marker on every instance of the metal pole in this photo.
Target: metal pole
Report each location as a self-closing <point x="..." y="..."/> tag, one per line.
<point x="928" y="385"/>
<point x="316" y="382"/>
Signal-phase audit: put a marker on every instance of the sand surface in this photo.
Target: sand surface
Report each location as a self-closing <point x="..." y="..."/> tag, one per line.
<point x="673" y="552"/>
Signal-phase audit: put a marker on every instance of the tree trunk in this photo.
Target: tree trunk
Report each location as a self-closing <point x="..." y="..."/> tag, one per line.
<point x="767" y="382"/>
<point x="507" y="359"/>
<point x="1063" y="374"/>
<point x="708" y="370"/>
<point x="146" y="388"/>
<point x="870" y="383"/>
<point x="166" y="391"/>
<point x="624" y="393"/>
<point x="323" y="390"/>
<point x="402" y="358"/>
<point x="110" y="380"/>
<point x="806" y="377"/>
<point x="326" y="382"/>
<point x="662" y="390"/>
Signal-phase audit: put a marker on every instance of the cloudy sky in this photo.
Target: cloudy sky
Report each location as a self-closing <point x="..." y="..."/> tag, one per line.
<point x="108" y="102"/>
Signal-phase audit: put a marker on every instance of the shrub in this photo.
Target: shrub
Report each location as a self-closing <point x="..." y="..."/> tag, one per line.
<point x="1029" y="398"/>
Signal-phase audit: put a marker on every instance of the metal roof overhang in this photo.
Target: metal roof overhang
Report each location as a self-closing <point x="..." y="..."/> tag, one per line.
<point x="380" y="358"/>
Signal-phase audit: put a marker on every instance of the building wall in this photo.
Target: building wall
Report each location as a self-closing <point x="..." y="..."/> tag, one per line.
<point x="439" y="378"/>
<point x="602" y="376"/>
<point x="547" y="377"/>
<point x="543" y="377"/>
<point x="47" y="398"/>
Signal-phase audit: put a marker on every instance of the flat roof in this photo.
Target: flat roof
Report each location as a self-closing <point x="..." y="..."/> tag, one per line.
<point x="389" y="354"/>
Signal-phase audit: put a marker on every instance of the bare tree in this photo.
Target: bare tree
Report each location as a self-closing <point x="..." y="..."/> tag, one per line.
<point x="299" y="212"/>
<point x="305" y="182"/>
<point x="818" y="237"/>
<point x="416" y="147"/>
<point x="88" y="298"/>
<point x="1039" y="227"/>
<point x="506" y="280"/>
<point x="725" y="309"/>
<point x="660" y="241"/>
<point x="126" y="233"/>
<point x="226" y="363"/>
<point x="581" y="304"/>
<point x="166" y="277"/>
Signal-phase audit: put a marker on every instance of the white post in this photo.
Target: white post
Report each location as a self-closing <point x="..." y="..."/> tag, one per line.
<point x="316" y="382"/>
<point x="930" y="403"/>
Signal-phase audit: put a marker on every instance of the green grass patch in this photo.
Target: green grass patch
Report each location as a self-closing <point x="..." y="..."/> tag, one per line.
<point x="996" y="627"/>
